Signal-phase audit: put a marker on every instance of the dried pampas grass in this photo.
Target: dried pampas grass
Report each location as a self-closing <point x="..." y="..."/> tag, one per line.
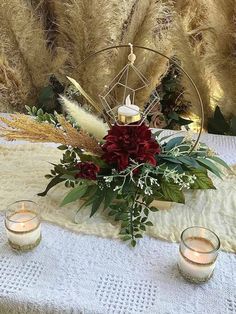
<point x="23" y="127"/>
<point x="87" y="26"/>
<point x="220" y="55"/>
<point x="85" y="120"/>
<point x="24" y="46"/>
<point x="186" y="39"/>
<point x="153" y="33"/>
<point x="13" y="91"/>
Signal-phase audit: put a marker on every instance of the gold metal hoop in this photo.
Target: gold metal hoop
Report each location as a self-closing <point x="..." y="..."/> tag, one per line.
<point x="172" y="61"/>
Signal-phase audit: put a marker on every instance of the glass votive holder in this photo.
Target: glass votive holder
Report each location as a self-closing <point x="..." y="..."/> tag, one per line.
<point x="198" y="252"/>
<point x="22" y="225"/>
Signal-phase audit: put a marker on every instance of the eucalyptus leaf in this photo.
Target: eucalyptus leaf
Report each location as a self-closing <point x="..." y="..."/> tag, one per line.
<point x="91" y="191"/>
<point x="97" y="202"/>
<point x="174" y="142"/>
<point x="189" y="161"/>
<point x="75" y="194"/>
<point x="169" y="158"/>
<point x="219" y="161"/>
<point x="51" y="184"/>
<point x="110" y="195"/>
<point x="210" y="166"/>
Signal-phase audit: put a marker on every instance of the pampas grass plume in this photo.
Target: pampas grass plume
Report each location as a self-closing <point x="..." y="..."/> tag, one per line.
<point x="86" y="120"/>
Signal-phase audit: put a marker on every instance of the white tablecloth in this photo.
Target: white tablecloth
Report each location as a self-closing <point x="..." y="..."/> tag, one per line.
<point x="71" y="273"/>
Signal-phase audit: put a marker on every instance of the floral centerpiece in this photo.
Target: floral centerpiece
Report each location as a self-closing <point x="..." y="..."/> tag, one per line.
<point x="120" y="170"/>
<point x="118" y="166"/>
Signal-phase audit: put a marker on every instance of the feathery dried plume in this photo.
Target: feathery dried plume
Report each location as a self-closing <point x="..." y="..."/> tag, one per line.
<point x="80" y="25"/>
<point x="44" y="9"/>
<point x="85" y="120"/>
<point x="24" y="45"/>
<point x="23" y="127"/>
<point x="188" y="50"/>
<point x="13" y="91"/>
<point x="70" y="21"/>
<point x="220" y="49"/>
<point x="153" y="33"/>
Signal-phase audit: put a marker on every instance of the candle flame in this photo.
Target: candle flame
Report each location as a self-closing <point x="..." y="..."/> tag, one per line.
<point x="128" y="101"/>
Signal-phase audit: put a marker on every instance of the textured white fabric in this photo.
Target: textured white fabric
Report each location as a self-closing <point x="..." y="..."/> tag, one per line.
<point x="71" y="273"/>
<point x="23" y="167"/>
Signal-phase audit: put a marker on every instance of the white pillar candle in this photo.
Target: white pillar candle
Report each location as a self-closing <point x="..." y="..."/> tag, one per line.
<point x="128" y="112"/>
<point x="198" y="253"/>
<point x="23" y="228"/>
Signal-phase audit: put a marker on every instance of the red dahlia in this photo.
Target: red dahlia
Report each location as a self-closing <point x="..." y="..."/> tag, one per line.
<point x="87" y="170"/>
<point x="126" y="143"/>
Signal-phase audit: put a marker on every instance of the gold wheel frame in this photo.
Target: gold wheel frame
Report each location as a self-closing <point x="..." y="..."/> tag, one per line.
<point x="172" y="61"/>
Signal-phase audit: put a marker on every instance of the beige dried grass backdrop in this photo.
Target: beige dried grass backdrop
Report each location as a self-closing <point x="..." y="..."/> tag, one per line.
<point x="39" y="38"/>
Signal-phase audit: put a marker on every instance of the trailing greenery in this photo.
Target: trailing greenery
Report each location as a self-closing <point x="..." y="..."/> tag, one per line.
<point x="127" y="196"/>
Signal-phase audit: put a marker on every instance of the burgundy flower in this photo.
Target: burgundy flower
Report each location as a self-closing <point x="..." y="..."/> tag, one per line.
<point x="126" y="143"/>
<point x="87" y="170"/>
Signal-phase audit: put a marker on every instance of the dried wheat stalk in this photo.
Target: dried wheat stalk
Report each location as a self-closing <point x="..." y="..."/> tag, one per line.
<point x="23" y="127"/>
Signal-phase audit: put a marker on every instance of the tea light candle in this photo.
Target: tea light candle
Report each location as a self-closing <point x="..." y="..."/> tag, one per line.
<point x="23" y="226"/>
<point x="198" y="253"/>
<point x="128" y="113"/>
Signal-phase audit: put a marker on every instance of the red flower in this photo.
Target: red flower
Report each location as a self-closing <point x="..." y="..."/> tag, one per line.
<point x="126" y="143"/>
<point x="87" y="170"/>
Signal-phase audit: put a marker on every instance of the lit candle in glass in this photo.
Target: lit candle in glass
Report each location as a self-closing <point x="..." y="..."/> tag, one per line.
<point x="23" y="225"/>
<point x="198" y="252"/>
<point x="128" y="113"/>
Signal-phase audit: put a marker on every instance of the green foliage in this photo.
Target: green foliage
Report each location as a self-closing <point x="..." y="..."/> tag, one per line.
<point x="173" y="104"/>
<point x="57" y="179"/>
<point x="75" y="194"/>
<point x="202" y="181"/>
<point x="41" y="116"/>
<point x="133" y="213"/>
<point x="210" y="166"/>
<point x="127" y="196"/>
<point x="95" y="159"/>
<point x="48" y="96"/>
<point x="171" y="192"/>
<point x="219" y="125"/>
